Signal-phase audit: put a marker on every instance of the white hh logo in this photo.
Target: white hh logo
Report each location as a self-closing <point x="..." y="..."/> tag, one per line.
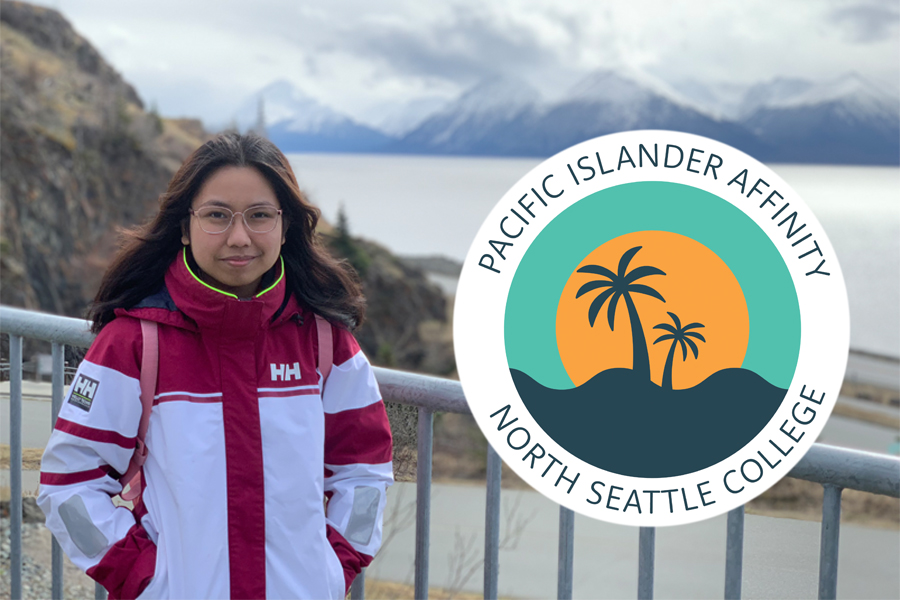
<point x="284" y="372"/>
<point x="86" y="387"/>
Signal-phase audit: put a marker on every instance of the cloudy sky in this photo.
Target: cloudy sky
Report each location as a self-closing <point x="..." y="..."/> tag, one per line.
<point x="202" y="58"/>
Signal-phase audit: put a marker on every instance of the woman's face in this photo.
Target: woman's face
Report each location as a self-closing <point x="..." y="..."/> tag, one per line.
<point x="236" y="260"/>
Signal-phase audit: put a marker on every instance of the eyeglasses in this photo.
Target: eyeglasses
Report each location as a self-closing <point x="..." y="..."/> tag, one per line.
<point x="218" y="219"/>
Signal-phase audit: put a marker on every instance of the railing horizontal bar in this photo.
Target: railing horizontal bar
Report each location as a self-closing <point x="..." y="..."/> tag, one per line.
<point x="852" y="469"/>
<point x="43" y="326"/>
<point x="433" y="393"/>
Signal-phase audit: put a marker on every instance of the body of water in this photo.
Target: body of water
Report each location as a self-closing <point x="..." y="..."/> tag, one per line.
<point x="426" y="205"/>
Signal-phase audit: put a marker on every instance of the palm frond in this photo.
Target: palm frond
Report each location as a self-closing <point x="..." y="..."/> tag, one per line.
<point x="597" y="270"/>
<point x="693" y="346"/>
<point x="597" y="304"/>
<point x="683" y="349"/>
<point x="694" y="334"/>
<point x="592" y="285"/>
<point x="665" y="326"/>
<point x="693" y="326"/>
<point x="646" y="290"/>
<point x="611" y="311"/>
<point x="626" y="258"/>
<point x="642" y="272"/>
<point x="675" y="320"/>
<point x="667" y="336"/>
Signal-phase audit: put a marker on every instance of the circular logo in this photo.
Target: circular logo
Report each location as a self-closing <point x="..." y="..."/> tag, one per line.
<point x="651" y="328"/>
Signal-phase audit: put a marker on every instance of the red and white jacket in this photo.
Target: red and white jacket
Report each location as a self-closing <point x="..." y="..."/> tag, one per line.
<point x="243" y="447"/>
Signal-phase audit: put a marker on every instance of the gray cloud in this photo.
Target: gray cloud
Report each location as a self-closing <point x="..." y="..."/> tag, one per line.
<point x="469" y="46"/>
<point x="870" y="22"/>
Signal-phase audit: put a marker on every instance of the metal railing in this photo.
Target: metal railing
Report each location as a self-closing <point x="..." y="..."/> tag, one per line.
<point x="835" y="469"/>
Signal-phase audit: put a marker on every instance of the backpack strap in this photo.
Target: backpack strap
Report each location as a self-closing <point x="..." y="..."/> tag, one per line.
<point x="149" y="370"/>
<point x="326" y="348"/>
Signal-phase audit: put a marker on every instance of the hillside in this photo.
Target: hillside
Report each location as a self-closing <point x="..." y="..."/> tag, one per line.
<point x="79" y="157"/>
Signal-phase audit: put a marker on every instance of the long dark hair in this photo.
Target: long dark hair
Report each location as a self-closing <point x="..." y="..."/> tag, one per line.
<point x="322" y="283"/>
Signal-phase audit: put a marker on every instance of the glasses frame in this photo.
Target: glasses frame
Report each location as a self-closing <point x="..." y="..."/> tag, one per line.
<point x="231" y="222"/>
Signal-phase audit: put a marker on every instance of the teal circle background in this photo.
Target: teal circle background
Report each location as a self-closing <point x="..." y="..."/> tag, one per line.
<point x="772" y="305"/>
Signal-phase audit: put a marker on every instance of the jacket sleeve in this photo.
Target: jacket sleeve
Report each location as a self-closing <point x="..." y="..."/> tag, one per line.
<point x="358" y="466"/>
<point x="91" y="444"/>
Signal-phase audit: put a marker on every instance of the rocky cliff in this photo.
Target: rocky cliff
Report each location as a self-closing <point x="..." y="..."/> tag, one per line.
<point x="80" y="158"/>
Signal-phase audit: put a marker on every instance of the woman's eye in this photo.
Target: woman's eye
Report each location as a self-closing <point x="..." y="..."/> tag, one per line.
<point x="216" y="214"/>
<point x="262" y="215"/>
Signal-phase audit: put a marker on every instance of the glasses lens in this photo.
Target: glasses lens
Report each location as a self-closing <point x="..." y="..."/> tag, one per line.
<point x="214" y="219"/>
<point x="261" y="220"/>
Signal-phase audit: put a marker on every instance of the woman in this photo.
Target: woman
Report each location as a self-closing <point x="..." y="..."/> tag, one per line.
<point x="245" y="440"/>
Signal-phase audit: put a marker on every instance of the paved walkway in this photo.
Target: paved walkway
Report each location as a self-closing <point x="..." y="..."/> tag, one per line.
<point x="781" y="556"/>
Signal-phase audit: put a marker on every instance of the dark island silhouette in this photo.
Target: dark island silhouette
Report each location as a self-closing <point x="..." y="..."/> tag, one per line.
<point x="622" y="422"/>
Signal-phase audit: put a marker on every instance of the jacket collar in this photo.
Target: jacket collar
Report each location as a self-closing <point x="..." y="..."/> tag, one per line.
<point x="188" y="302"/>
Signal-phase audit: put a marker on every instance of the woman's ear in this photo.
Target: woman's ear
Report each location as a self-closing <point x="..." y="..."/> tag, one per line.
<point x="185" y="233"/>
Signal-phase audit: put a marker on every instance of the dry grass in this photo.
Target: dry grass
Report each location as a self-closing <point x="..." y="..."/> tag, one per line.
<point x="869" y="416"/>
<point x="387" y="590"/>
<point x="31" y="458"/>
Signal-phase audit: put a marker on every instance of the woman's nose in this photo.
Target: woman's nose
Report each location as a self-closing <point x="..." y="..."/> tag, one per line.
<point x="238" y="234"/>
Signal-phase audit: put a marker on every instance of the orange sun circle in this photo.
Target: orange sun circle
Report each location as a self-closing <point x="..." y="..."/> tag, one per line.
<point x="698" y="287"/>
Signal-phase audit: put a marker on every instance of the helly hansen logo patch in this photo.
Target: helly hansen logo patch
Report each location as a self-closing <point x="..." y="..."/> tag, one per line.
<point x="282" y="372"/>
<point x="83" y="391"/>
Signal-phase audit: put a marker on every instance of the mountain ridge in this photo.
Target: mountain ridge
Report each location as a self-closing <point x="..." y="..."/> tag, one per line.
<point x="846" y="120"/>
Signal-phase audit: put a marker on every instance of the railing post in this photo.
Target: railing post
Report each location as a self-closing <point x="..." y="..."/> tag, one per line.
<point x="358" y="587"/>
<point x="734" y="554"/>
<point x="828" y="552"/>
<point x="492" y="525"/>
<point x="646" y="557"/>
<point x="15" y="465"/>
<point x="425" y="433"/>
<point x="565" y="569"/>
<point x="58" y="354"/>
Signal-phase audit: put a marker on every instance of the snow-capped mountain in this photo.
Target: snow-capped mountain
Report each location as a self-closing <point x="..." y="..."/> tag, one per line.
<point x="487" y="119"/>
<point x="507" y="117"/>
<point x="297" y="122"/>
<point x="847" y="120"/>
<point x="607" y="101"/>
<point x="721" y="100"/>
<point x="396" y="119"/>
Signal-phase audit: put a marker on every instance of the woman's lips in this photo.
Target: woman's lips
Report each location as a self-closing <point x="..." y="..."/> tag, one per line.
<point x="238" y="261"/>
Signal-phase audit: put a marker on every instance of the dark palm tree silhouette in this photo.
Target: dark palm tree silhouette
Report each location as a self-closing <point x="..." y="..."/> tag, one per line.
<point x="678" y="335"/>
<point x="621" y="285"/>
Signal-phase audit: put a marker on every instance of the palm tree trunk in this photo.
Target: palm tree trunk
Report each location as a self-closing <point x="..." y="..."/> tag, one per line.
<point x="641" y="362"/>
<point x="667" y="373"/>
